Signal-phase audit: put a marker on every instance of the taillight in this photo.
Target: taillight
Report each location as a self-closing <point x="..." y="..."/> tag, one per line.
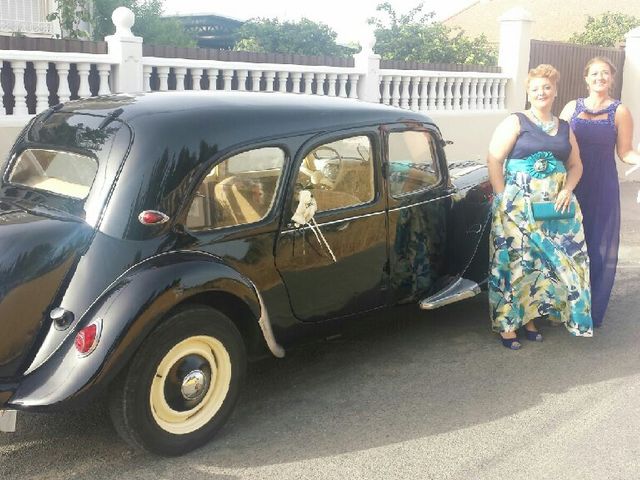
<point x="87" y="339"/>
<point x="152" y="217"/>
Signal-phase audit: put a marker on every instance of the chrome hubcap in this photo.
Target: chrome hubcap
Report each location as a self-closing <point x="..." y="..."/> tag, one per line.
<point x="194" y="385"/>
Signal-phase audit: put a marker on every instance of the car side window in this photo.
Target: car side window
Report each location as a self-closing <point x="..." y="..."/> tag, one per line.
<point x="339" y="174"/>
<point x="240" y="190"/>
<point x="413" y="164"/>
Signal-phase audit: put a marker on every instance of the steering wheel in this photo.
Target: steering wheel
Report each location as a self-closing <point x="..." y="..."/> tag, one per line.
<point x="323" y="169"/>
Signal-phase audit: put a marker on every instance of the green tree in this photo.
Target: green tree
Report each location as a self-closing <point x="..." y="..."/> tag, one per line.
<point x="72" y="15"/>
<point x="415" y="36"/>
<point x="606" y="30"/>
<point x="149" y="24"/>
<point x="304" y="37"/>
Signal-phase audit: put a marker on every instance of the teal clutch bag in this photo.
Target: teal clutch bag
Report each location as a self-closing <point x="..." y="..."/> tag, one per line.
<point x="547" y="211"/>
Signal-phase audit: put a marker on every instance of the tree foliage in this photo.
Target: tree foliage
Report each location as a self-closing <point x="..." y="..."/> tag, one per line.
<point x="303" y="37"/>
<point x="415" y="36"/>
<point x="72" y="16"/>
<point x="606" y="30"/>
<point x="149" y="23"/>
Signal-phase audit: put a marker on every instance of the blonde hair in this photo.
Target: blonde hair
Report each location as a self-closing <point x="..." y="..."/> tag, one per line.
<point x="604" y="60"/>
<point x="544" y="70"/>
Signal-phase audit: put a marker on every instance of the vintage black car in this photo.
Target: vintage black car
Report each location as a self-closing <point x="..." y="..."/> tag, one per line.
<point x="150" y="244"/>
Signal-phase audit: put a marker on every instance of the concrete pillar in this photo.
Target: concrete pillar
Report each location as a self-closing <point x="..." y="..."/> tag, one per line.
<point x="126" y="50"/>
<point x="368" y="63"/>
<point x="630" y="78"/>
<point x="513" y="56"/>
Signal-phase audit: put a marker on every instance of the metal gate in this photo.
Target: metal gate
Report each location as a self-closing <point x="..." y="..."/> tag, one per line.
<point x="570" y="60"/>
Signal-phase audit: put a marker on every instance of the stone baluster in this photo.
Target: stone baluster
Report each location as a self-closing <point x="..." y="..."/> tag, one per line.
<point x="424" y="94"/>
<point x="104" y="69"/>
<point x="212" y="75"/>
<point x="441" y="94"/>
<point x="386" y="85"/>
<point x="342" y="85"/>
<point x="457" y="94"/>
<point x="331" y="80"/>
<point x="256" y="75"/>
<point x="473" y="94"/>
<point x="242" y="75"/>
<point x="308" y="80"/>
<point x="19" y="92"/>
<point x="480" y="100"/>
<point x="354" y="78"/>
<point x="196" y="76"/>
<point x="296" y="78"/>
<point x="415" y="94"/>
<point x="320" y="78"/>
<point x="269" y="77"/>
<point x="227" y="77"/>
<point x="147" y="70"/>
<point x="448" y="93"/>
<point x="163" y="77"/>
<point x="404" y="94"/>
<point x="282" y="81"/>
<point x="2" y="109"/>
<point x="487" y="94"/>
<point x="395" y="95"/>
<point x="180" y="73"/>
<point x="501" y="93"/>
<point x="83" y="72"/>
<point x="64" y="93"/>
<point x="42" y="92"/>
<point x="433" y="81"/>
<point x="465" y="93"/>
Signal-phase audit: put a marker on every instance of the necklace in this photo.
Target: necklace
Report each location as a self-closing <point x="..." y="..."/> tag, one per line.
<point x="546" y="127"/>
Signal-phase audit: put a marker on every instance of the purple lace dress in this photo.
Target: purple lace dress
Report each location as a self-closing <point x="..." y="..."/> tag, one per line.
<point x="599" y="195"/>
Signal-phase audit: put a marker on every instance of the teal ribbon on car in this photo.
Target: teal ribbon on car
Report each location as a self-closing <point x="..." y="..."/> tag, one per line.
<point x="537" y="165"/>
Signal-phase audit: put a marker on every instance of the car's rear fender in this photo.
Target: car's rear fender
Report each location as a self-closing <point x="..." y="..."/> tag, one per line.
<point x="129" y="310"/>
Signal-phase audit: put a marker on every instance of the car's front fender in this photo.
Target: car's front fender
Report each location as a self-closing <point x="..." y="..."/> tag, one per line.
<point x="129" y="309"/>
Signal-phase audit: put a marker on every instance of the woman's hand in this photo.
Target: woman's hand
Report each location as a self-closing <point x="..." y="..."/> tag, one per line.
<point x="563" y="200"/>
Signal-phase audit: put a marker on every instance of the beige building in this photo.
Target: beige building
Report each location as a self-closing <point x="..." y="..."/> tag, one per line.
<point x="554" y="19"/>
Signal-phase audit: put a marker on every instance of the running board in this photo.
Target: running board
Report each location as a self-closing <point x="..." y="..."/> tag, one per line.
<point x="458" y="290"/>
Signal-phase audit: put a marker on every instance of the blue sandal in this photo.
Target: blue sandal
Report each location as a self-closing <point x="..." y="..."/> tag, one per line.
<point x="533" y="336"/>
<point x="511" y="343"/>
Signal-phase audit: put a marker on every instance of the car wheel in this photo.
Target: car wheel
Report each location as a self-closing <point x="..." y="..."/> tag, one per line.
<point x="182" y="384"/>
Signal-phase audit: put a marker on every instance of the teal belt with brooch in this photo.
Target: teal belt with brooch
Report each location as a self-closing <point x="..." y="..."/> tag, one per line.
<point x="541" y="165"/>
<point x="538" y="165"/>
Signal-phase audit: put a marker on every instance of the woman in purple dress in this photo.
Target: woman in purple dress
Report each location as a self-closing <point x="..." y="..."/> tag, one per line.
<point x="602" y="126"/>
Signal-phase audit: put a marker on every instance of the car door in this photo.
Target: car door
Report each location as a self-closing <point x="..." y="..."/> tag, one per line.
<point x="333" y="260"/>
<point x="419" y="200"/>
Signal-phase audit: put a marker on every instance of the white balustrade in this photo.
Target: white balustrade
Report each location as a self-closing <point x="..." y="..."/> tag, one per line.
<point x="433" y="90"/>
<point x="409" y="89"/>
<point x="309" y="80"/>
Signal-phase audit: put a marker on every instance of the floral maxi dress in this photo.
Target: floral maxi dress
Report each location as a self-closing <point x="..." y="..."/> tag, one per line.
<point x="537" y="268"/>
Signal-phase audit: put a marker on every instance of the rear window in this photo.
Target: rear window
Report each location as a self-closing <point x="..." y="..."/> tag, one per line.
<point x="63" y="173"/>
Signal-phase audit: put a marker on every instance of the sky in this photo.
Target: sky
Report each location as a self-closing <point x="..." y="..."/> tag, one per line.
<point x="348" y="18"/>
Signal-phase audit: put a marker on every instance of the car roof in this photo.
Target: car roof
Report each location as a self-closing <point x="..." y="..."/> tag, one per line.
<point x="276" y="113"/>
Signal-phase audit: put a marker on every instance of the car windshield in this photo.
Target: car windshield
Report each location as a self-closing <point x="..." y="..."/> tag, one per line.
<point x="59" y="172"/>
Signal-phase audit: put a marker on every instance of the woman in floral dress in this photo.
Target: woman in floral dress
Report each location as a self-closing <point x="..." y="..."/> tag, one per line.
<point x="539" y="263"/>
